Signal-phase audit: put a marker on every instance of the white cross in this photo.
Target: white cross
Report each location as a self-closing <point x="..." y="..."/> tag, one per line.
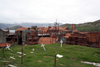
<point x="8" y="47"/>
<point x="61" y="42"/>
<point x="42" y="45"/>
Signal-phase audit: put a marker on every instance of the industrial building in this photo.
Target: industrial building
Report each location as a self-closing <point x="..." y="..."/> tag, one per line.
<point x="51" y="34"/>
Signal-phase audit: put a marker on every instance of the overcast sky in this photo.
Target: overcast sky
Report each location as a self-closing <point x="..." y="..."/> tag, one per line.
<point x="47" y="11"/>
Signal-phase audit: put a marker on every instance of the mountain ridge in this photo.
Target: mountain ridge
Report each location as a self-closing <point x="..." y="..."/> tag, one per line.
<point x="88" y="26"/>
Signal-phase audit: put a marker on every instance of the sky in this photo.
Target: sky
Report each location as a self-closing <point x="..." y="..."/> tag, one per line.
<point x="47" y="11"/>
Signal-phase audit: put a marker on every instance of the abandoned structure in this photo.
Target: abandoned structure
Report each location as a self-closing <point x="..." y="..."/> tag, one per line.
<point x="27" y="35"/>
<point x="2" y="36"/>
<point x="91" y="39"/>
<point x="51" y="34"/>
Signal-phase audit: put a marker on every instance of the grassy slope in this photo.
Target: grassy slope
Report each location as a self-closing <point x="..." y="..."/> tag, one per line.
<point x="73" y="55"/>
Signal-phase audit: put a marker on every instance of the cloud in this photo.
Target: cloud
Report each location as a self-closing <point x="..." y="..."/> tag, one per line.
<point x="66" y="11"/>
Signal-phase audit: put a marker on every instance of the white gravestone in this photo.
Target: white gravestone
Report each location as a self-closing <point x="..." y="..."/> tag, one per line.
<point x="61" y="42"/>
<point x="42" y="45"/>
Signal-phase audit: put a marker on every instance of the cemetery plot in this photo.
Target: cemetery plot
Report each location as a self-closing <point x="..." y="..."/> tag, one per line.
<point x="67" y="56"/>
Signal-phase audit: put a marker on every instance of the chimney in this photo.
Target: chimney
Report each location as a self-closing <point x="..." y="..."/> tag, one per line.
<point x="72" y="27"/>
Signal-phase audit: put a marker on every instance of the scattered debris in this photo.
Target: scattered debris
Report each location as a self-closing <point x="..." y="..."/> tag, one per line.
<point x="93" y="63"/>
<point x="12" y="65"/>
<point x="21" y="53"/>
<point x="19" y="56"/>
<point x="31" y="52"/>
<point x="40" y="61"/>
<point x="62" y="65"/>
<point x="24" y="54"/>
<point x="56" y="52"/>
<point x="4" y="61"/>
<point x="12" y="57"/>
<point x="47" y="56"/>
<point x="33" y="49"/>
<point x="73" y="59"/>
<point x="59" y="56"/>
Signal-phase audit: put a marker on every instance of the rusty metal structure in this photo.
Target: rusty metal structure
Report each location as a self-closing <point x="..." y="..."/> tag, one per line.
<point x="2" y="36"/>
<point x="27" y="35"/>
<point x="51" y="34"/>
<point x="91" y="39"/>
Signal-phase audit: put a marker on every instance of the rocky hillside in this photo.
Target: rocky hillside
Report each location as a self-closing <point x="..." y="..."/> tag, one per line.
<point x="89" y="26"/>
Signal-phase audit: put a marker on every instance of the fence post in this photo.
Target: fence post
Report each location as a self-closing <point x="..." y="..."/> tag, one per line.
<point x="3" y="52"/>
<point x="55" y="61"/>
<point x="22" y="57"/>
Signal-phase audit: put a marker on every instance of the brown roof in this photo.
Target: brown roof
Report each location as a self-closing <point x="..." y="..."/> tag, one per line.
<point x="63" y="28"/>
<point x="44" y="30"/>
<point x="66" y="36"/>
<point x="4" y="44"/>
<point x="22" y="28"/>
<point x="60" y="28"/>
<point x="46" y="40"/>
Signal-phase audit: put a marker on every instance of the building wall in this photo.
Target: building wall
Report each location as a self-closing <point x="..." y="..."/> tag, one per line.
<point x="2" y="36"/>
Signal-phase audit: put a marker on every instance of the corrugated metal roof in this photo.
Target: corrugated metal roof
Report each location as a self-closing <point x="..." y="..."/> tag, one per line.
<point x="21" y="29"/>
<point x="4" y="44"/>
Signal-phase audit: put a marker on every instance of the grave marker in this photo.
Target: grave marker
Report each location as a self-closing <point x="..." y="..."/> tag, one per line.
<point x="42" y="45"/>
<point x="8" y="47"/>
<point x="61" y="43"/>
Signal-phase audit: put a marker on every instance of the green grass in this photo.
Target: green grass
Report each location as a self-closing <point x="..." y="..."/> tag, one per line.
<point x="72" y="56"/>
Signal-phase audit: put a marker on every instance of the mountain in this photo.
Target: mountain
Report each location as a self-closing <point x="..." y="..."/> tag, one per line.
<point x="88" y="26"/>
<point x="24" y="24"/>
<point x="4" y="26"/>
<point x="37" y="24"/>
<point x="14" y="27"/>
